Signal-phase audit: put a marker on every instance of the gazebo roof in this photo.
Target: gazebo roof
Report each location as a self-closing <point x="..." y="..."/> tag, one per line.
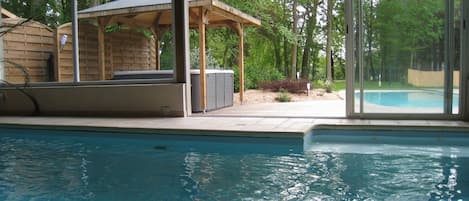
<point x="7" y="14"/>
<point x="150" y="12"/>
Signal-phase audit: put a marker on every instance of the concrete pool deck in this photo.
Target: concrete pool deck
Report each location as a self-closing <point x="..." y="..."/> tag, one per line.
<point x="305" y="109"/>
<point x="252" y="126"/>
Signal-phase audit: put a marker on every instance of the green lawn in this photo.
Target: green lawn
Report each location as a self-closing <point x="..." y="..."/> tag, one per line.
<point x="338" y="85"/>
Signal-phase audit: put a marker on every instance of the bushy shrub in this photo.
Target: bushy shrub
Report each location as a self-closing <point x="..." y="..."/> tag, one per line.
<point x="327" y="85"/>
<point x="292" y="86"/>
<point x="210" y="61"/>
<point x="254" y="75"/>
<point x="283" y="96"/>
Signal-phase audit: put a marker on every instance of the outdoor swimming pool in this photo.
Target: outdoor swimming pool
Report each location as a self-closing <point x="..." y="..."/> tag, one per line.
<point x="410" y="98"/>
<point x="65" y="165"/>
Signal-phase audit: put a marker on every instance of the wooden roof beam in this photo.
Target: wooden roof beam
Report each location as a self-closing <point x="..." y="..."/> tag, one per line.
<point x="141" y="9"/>
<point x="8" y="14"/>
<point x="193" y="15"/>
<point x="129" y="22"/>
<point x="235" y="14"/>
<point x="157" y="19"/>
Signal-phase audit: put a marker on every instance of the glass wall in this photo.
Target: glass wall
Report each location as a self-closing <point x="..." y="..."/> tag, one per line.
<point x="406" y="56"/>
<point x="457" y="48"/>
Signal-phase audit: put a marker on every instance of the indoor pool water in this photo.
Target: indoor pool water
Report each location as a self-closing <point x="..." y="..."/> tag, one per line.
<point x="407" y="98"/>
<point x="59" y="165"/>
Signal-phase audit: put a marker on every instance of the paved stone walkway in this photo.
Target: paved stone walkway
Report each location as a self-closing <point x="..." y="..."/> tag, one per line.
<point x="306" y="109"/>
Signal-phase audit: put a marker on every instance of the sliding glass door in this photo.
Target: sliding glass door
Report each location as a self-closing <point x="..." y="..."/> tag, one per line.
<point x="403" y="57"/>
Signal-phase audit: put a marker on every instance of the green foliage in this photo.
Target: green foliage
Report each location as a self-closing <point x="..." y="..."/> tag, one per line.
<point x="399" y="30"/>
<point x="254" y="75"/>
<point x="166" y="48"/>
<point x="328" y="85"/>
<point x="320" y="70"/>
<point x="338" y="85"/>
<point x="115" y="28"/>
<point x="48" y="12"/>
<point x="210" y="61"/>
<point x="147" y="33"/>
<point x="283" y="96"/>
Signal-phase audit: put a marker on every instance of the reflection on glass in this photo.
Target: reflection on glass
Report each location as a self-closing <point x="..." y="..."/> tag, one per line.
<point x="403" y="56"/>
<point x="356" y="75"/>
<point x="457" y="54"/>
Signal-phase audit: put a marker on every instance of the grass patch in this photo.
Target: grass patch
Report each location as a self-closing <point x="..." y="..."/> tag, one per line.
<point x="337" y="85"/>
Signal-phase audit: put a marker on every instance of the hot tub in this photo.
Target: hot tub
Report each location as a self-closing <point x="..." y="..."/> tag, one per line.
<point x="220" y="87"/>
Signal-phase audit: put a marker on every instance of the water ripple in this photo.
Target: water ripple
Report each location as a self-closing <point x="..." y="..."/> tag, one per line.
<point x="89" y="169"/>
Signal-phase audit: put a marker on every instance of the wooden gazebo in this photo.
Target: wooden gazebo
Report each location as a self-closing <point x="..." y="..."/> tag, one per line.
<point x="156" y="15"/>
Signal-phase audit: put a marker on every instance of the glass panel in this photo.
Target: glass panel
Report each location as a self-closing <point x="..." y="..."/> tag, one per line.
<point x="457" y="54"/>
<point x="356" y="52"/>
<point x="403" y="56"/>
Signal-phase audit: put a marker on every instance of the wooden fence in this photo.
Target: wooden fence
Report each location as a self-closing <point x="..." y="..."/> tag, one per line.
<point x="30" y="45"/>
<point x="38" y="49"/>
<point x="429" y="78"/>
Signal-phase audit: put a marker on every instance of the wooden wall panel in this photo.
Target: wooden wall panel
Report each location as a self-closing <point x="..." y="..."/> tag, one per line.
<point x="30" y="46"/>
<point x="124" y="50"/>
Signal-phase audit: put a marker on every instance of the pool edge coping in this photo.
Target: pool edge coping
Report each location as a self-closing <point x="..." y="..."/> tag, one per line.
<point x="163" y="131"/>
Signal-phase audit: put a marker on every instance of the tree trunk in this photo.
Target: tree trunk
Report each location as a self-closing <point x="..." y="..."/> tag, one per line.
<point x="411" y="65"/>
<point x="370" y="43"/>
<point x="384" y="73"/>
<point x="285" y="44"/>
<point x="285" y="57"/>
<point x="310" y="27"/>
<point x="330" y="6"/>
<point x="305" y="60"/>
<point x="294" y="52"/>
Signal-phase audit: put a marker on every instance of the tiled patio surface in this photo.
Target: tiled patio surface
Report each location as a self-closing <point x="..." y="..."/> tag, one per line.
<point x="306" y="109"/>
<point x="266" y="119"/>
<point x="252" y="126"/>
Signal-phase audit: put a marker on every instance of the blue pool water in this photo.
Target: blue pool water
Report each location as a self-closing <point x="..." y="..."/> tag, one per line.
<point x="56" y="165"/>
<point x="407" y="98"/>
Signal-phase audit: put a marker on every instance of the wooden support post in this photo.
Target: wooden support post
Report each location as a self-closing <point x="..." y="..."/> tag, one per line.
<point x="157" y="49"/>
<point x="157" y="33"/>
<point x="58" y="49"/>
<point x="240" y="32"/>
<point x="101" y="50"/>
<point x="181" y="49"/>
<point x="154" y="31"/>
<point x="111" y="59"/>
<point x="203" y="76"/>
